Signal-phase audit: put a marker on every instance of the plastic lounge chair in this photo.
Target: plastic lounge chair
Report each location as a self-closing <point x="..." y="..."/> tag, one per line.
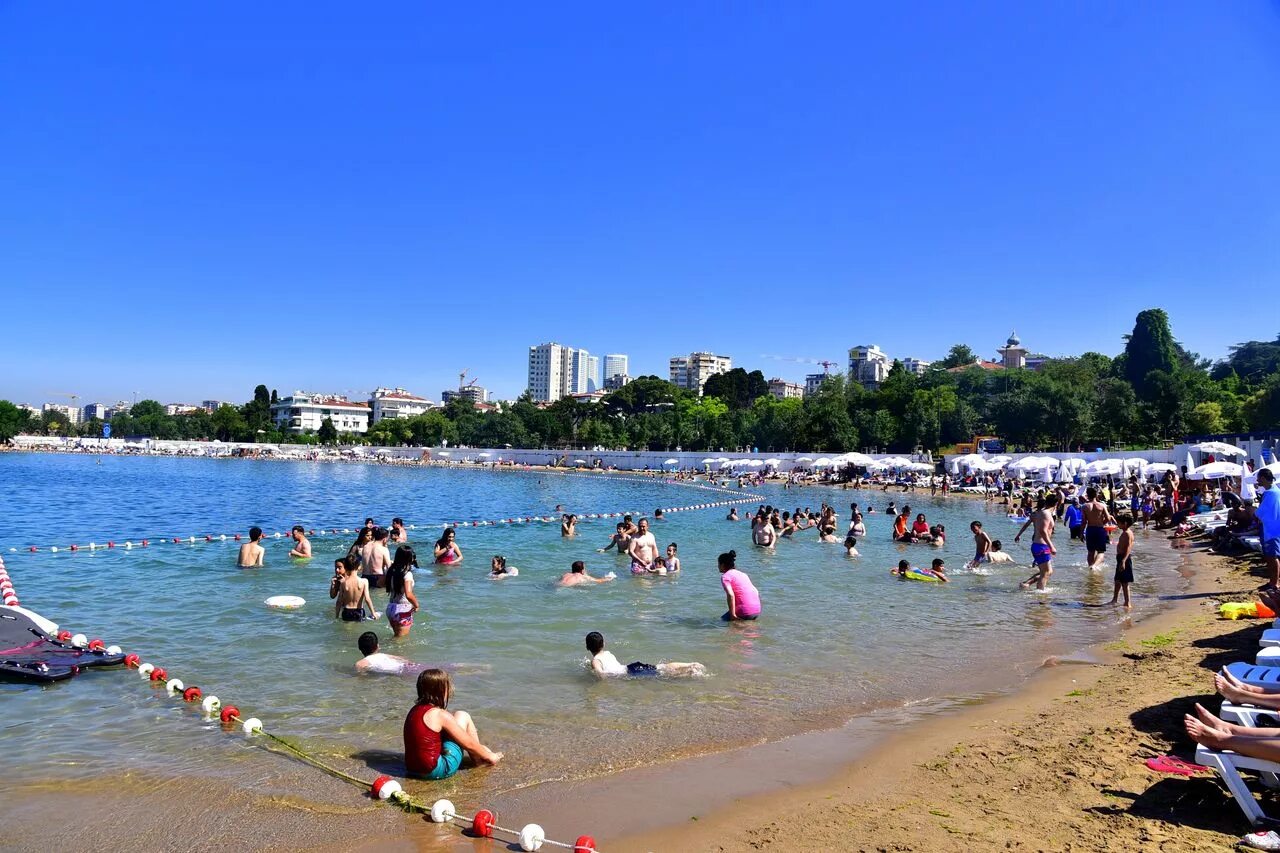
<point x="1228" y="765"/>
<point x="1255" y="676"/>
<point x="1248" y="715"/>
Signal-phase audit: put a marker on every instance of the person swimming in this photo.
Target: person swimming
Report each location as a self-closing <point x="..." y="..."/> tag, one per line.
<point x="498" y="569"/>
<point x="605" y="665"/>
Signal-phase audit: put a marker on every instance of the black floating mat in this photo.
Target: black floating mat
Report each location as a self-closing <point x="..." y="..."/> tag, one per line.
<point x="29" y="654"/>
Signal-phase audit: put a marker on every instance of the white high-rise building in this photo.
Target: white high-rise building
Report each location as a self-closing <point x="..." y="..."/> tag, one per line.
<point x="616" y="364"/>
<point x="917" y="366"/>
<point x="71" y="413"/>
<point x="593" y="373"/>
<point x="868" y="365"/>
<point x="550" y="372"/>
<point x="94" y="410"/>
<point x="692" y="372"/>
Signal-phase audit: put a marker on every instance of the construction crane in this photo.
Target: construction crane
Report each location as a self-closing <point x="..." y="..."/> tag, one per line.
<point x="462" y="379"/>
<point x="826" y="365"/>
<point x="74" y="397"/>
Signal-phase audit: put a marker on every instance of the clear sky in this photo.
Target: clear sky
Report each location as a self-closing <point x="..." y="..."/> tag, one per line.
<point x="333" y="196"/>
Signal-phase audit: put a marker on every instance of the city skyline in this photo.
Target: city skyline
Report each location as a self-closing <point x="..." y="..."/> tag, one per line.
<point x="741" y="183"/>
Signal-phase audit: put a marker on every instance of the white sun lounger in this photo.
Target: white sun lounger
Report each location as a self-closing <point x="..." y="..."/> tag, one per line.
<point x="1228" y="765"/>
<point x="1268" y="655"/>
<point x="1248" y="715"/>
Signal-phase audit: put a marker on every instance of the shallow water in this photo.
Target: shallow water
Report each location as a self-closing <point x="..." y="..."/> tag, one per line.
<point x="839" y="635"/>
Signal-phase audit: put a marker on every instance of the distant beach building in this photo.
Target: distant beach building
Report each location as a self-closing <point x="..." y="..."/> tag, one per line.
<point x="120" y="407"/>
<point x="71" y="413"/>
<point x="616" y="364"/>
<point x="616" y="381"/>
<point x="396" y="403"/>
<point x="93" y="410"/>
<point x="781" y="389"/>
<point x="1014" y="356"/>
<point x="915" y="365"/>
<point x="557" y="371"/>
<point x="212" y="406"/>
<point x="302" y="412"/>
<point x="594" y="382"/>
<point x="868" y="366"/>
<point x="172" y="409"/>
<point x="813" y="382"/>
<point x="477" y="394"/>
<point x="692" y="372"/>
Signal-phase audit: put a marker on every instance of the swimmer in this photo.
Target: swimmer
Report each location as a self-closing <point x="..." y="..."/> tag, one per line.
<point x="981" y="543"/>
<point x="350" y="593"/>
<point x="403" y="602"/>
<point x="938" y="535"/>
<point x="619" y="540"/>
<point x="939" y="570"/>
<point x="498" y="569"/>
<point x="302" y="546"/>
<point x="369" y="524"/>
<point x="434" y="738"/>
<point x="377" y="662"/>
<point x="375" y="557"/>
<point x="569" y="525"/>
<point x="398" y="533"/>
<point x="604" y="664"/>
<point x="672" y="563"/>
<point x="733" y="514"/>
<point x="657" y="515"/>
<point x="739" y="592"/>
<point x="1042" y="550"/>
<point x="904" y="566"/>
<point x="363" y="537"/>
<point x="643" y="549"/>
<point x="997" y="554"/>
<point x="850" y="546"/>
<point x="252" y="552"/>
<point x="447" y="552"/>
<point x="577" y="575"/>
<point x="1096" y="518"/>
<point x="762" y="532"/>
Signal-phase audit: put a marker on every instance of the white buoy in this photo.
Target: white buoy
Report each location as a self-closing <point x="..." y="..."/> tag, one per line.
<point x="531" y="837"/>
<point x="80" y="641"/>
<point x="54" y="549"/>
<point x="174" y="686"/>
<point x="114" y="650"/>
<point x="144" y="671"/>
<point x="223" y="537"/>
<point x="442" y="811"/>
<point x="211" y="704"/>
<point x="389" y="790"/>
<point x="252" y="726"/>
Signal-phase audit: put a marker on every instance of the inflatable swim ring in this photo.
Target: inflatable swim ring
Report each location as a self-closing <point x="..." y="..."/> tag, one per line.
<point x="1013" y="517"/>
<point x="285" y="602"/>
<point x="915" y="574"/>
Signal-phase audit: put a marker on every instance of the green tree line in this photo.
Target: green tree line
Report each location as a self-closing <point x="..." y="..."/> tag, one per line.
<point x="1152" y="391"/>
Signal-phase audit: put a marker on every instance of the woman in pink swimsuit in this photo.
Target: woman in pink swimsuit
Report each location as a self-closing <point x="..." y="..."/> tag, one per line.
<point x="447" y="551"/>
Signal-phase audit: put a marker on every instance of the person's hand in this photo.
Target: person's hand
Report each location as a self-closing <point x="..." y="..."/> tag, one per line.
<point x="376" y="615"/>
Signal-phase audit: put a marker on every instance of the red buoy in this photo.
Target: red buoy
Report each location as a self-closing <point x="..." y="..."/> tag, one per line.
<point x="159" y="674"/>
<point x="96" y="644"/>
<point x="75" y="547"/>
<point x="191" y="694"/>
<point x="144" y="543"/>
<point x="176" y="539"/>
<point x="584" y="844"/>
<point x="376" y="787"/>
<point x="32" y="549"/>
<point x="208" y="538"/>
<point x="110" y="544"/>
<point x="237" y="537"/>
<point x="229" y="713"/>
<point x="482" y="823"/>
<point x="64" y="635"/>
<point x="132" y="660"/>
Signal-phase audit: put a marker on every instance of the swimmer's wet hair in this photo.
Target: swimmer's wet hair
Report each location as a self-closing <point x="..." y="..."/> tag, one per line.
<point x="255" y="533"/>
<point x="937" y="561"/>
<point x="298" y="528"/>
<point x="729" y="559"/>
<point x="578" y="567"/>
<point x="595" y="642"/>
<point x="903" y="565"/>
<point x="995" y="545"/>
<point x="368" y="643"/>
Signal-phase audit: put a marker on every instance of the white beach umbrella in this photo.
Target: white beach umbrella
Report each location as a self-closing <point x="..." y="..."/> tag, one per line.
<point x="708" y="461"/>
<point x="755" y="463"/>
<point x="858" y="459"/>
<point x="1153" y="468"/>
<point x="1215" y="471"/>
<point x="923" y="467"/>
<point x="579" y="462"/>
<point x="1103" y="468"/>
<point x="672" y="462"/>
<point x="442" y="453"/>
<point x="804" y="459"/>
<point x="1135" y="463"/>
<point x="1218" y="448"/>
<point x="772" y="463"/>
<point x="484" y="455"/>
<point x="896" y="462"/>
<point x="822" y="462"/>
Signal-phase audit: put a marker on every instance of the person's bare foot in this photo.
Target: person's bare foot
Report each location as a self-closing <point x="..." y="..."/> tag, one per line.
<point x="1215" y="722"/>
<point x="1128" y="606"/>
<point x="1239" y="685"/>
<point x="1203" y="734"/>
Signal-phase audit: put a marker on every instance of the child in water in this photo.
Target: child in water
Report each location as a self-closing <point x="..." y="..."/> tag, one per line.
<point x="604" y="664"/>
<point x="499" y="569"/>
<point x="435" y="739"/>
<point x="742" y="596"/>
<point x="1124" y="560"/>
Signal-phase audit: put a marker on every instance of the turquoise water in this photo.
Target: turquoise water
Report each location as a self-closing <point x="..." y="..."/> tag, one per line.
<point x="839" y="635"/>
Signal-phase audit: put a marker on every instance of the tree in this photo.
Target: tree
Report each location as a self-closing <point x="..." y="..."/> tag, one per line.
<point x="13" y="421"/>
<point x="328" y="433"/>
<point x="228" y="424"/>
<point x="1150" y="348"/>
<point x="959" y="355"/>
<point x="737" y="388"/>
<point x="1206" y="419"/>
<point x="1252" y="361"/>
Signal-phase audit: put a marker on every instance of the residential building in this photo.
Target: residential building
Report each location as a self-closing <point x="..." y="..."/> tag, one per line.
<point x="616" y="364"/>
<point x="302" y="412"/>
<point x="550" y="372"/>
<point x="396" y="403"/>
<point x="121" y="407"/>
<point x="29" y="409"/>
<point x="589" y="397"/>
<point x="691" y="373"/>
<point x="580" y="372"/>
<point x="594" y="382"/>
<point x="93" y="410"/>
<point x="985" y="365"/>
<point x="915" y="365"/>
<point x="212" y="406"/>
<point x="71" y="413"/>
<point x="868" y="366"/>
<point x="784" y="390"/>
<point x="616" y="381"/>
<point x="180" y="409"/>
<point x="813" y="382"/>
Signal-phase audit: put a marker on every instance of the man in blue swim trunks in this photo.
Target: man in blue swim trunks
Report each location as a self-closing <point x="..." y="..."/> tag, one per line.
<point x="1042" y="550"/>
<point x="1268" y="515"/>
<point x="1096" y="518"/>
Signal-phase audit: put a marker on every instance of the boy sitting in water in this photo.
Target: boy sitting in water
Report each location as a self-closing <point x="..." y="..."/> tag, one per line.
<point x="997" y="555"/>
<point x="604" y="664"/>
<point x="381" y="663"/>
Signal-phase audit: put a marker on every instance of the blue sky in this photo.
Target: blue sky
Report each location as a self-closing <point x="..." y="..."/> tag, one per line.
<point x="333" y="197"/>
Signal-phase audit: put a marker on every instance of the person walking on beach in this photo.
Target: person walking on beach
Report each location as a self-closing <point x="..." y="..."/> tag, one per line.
<point x="1096" y="518"/>
<point x="252" y="552"/>
<point x="302" y="545"/>
<point x="740" y="593"/>
<point x="1124" y="560"/>
<point x="375" y="557"/>
<point x="1268" y="514"/>
<point x="1042" y="550"/>
<point x="643" y="549"/>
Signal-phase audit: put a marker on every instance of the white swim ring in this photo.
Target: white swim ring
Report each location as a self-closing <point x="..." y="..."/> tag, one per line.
<point x="285" y="602"/>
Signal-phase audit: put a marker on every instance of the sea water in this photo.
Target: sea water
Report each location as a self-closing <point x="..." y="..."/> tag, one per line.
<point x="839" y="635"/>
